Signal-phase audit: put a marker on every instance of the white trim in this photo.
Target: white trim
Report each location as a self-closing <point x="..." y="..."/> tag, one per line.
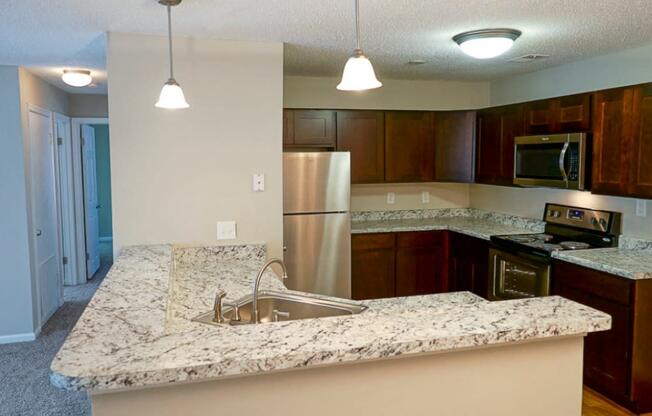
<point x="106" y="239"/>
<point x="78" y="191"/>
<point x="24" y="337"/>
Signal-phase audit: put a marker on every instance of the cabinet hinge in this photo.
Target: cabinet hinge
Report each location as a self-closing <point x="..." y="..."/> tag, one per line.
<point x="59" y="141"/>
<point x="88" y="256"/>
<point x="83" y="141"/>
<point x="65" y="260"/>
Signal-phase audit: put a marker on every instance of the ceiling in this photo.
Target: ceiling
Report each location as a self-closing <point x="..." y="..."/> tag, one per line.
<point x="48" y="35"/>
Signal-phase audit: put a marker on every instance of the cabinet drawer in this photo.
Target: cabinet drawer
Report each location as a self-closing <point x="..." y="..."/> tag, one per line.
<point x="372" y="241"/>
<point x="420" y="239"/>
<point x="593" y="282"/>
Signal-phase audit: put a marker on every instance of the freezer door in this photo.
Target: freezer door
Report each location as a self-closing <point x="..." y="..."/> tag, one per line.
<point x="316" y="182"/>
<point x="318" y="253"/>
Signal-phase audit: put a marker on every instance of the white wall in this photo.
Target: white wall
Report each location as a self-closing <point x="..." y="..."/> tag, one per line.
<point x="316" y="92"/>
<point x="16" y="315"/>
<point x="175" y="173"/>
<point x="88" y="105"/>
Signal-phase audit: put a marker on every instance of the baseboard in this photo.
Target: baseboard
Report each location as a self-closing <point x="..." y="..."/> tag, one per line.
<point x="9" y="339"/>
<point x="106" y="239"/>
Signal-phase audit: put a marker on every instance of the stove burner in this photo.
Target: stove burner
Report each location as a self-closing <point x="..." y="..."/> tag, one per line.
<point x="574" y="245"/>
<point x="531" y="238"/>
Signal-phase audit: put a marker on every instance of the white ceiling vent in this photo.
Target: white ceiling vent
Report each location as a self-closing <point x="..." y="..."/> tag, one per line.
<point x="531" y="57"/>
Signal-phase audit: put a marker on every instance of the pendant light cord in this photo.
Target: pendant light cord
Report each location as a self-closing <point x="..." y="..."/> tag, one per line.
<point x="357" y="23"/>
<point x="170" y="40"/>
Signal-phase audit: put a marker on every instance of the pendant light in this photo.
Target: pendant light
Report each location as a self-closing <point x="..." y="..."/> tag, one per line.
<point x="358" y="72"/>
<point x="486" y="43"/>
<point x="171" y="95"/>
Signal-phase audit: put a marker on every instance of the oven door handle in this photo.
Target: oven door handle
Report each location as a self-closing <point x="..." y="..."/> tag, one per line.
<point x="562" y="160"/>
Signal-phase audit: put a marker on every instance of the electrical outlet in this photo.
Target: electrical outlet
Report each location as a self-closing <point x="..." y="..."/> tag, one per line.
<point x="391" y="197"/>
<point x="226" y="230"/>
<point x="425" y="197"/>
<point x="259" y="182"/>
<point x="641" y="208"/>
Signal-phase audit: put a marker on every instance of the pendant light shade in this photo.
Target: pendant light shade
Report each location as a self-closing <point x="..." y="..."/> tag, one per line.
<point x="358" y="74"/>
<point x="171" y="96"/>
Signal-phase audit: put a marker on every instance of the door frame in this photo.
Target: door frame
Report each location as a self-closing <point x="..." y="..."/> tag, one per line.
<point x="31" y="108"/>
<point x="78" y="186"/>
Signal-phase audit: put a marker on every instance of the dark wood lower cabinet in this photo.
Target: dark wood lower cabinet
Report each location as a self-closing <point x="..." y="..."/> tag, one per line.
<point x="373" y="266"/>
<point x="468" y="264"/>
<point x="618" y="362"/>
<point x="421" y="263"/>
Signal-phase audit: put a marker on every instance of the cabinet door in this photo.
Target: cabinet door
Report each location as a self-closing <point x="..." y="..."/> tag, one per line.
<point x="488" y="159"/>
<point x="512" y="122"/>
<point x="288" y="127"/>
<point x="469" y="264"/>
<point x="454" y="146"/>
<point x="363" y="134"/>
<point x="421" y="263"/>
<point x="539" y="117"/>
<point x="573" y="113"/>
<point x="372" y="266"/>
<point x="640" y="155"/>
<point x="314" y="127"/>
<point x="409" y="147"/>
<point x="612" y="126"/>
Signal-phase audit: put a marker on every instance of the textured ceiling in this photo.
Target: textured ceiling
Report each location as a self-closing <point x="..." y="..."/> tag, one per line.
<point x="319" y="35"/>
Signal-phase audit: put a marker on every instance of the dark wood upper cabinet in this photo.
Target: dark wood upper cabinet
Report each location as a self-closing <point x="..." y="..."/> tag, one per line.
<point x="496" y="129"/>
<point x="421" y="263"/>
<point x="569" y="114"/>
<point x="409" y="146"/>
<point x="454" y="146"/>
<point x="288" y="127"/>
<point x="314" y="128"/>
<point x="640" y="155"/>
<point x="612" y="131"/>
<point x="363" y="134"/>
<point x="373" y="266"/>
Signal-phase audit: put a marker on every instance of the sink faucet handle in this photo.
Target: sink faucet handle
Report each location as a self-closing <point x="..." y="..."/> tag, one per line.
<point x="280" y="314"/>
<point x="236" y="310"/>
<point x="217" y="306"/>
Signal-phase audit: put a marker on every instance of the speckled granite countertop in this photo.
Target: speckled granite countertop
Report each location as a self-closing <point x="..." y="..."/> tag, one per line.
<point x="471" y="222"/>
<point x="136" y="331"/>
<point x="629" y="263"/>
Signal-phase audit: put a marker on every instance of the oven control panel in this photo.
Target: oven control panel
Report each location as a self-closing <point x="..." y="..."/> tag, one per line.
<point x="589" y="219"/>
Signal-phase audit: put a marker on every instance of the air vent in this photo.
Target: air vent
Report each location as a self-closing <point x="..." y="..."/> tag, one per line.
<point x="416" y="62"/>
<point x="531" y="57"/>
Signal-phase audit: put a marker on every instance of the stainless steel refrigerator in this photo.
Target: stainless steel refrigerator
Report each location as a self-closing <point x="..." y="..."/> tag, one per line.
<point x="317" y="222"/>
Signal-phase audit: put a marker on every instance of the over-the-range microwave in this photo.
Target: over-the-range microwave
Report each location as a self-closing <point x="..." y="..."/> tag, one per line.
<point x="555" y="161"/>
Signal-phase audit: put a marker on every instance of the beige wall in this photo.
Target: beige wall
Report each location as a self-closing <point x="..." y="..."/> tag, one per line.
<point x="316" y="92"/>
<point x="88" y="105"/>
<point x="176" y="173"/>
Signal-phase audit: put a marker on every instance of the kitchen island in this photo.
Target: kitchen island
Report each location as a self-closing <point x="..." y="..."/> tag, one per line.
<point x="136" y="350"/>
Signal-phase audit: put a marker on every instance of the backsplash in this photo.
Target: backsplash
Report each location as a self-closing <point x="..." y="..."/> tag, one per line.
<point x="208" y="255"/>
<point x="633" y="243"/>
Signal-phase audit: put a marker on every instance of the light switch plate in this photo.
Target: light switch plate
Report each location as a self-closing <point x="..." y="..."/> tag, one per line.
<point x="641" y="208"/>
<point x="259" y="182"/>
<point x="226" y="230"/>
<point x="425" y="197"/>
<point x="391" y="197"/>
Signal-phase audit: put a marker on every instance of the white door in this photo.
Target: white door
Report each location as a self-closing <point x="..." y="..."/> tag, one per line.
<point x="91" y="206"/>
<point x="44" y="212"/>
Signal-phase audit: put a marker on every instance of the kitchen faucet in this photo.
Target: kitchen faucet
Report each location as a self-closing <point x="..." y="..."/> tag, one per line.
<point x="254" y="304"/>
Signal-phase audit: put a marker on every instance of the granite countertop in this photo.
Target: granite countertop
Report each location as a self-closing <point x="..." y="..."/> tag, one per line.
<point x="136" y="331"/>
<point x="466" y="221"/>
<point x="629" y="263"/>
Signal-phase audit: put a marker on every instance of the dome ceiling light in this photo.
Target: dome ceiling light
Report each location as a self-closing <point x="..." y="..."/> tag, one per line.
<point x="358" y="72"/>
<point x="77" y="77"/>
<point x="171" y="96"/>
<point x="486" y="43"/>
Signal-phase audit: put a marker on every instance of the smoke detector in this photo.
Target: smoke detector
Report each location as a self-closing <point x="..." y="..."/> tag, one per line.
<point x="531" y="57"/>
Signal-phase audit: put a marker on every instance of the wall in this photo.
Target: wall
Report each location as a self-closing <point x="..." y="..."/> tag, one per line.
<point x="88" y="105"/>
<point x="16" y="315"/>
<point x="318" y="92"/>
<point x="103" y="175"/>
<point x="175" y="173"/>
<point x="315" y="92"/>
<point x="622" y="68"/>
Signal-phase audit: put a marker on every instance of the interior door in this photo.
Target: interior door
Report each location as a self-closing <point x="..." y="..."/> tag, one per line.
<point x="90" y="202"/>
<point x="44" y="212"/>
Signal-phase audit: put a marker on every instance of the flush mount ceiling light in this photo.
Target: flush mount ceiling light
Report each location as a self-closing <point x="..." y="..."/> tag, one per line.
<point x="486" y="43"/>
<point x="171" y="96"/>
<point x="77" y="77"/>
<point x="358" y="72"/>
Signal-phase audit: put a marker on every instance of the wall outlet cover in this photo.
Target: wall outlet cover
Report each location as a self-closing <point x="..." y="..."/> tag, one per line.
<point x="226" y="230"/>
<point x="259" y="182"/>
<point x="425" y="197"/>
<point x="391" y="197"/>
<point x="641" y="208"/>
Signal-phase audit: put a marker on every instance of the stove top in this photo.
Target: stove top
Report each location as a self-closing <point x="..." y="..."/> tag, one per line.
<point x="544" y="242"/>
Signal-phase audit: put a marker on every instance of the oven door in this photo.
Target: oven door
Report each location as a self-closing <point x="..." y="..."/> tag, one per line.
<point x="556" y="161"/>
<point x="517" y="277"/>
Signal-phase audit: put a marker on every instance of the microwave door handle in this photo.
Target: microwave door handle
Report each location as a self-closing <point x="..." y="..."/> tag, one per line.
<point x="562" y="159"/>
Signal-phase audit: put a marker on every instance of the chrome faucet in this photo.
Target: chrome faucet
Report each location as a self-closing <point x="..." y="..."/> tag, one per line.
<point x="254" y="304"/>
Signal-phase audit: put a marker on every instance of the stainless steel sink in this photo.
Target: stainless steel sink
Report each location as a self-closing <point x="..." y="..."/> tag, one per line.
<point x="279" y="306"/>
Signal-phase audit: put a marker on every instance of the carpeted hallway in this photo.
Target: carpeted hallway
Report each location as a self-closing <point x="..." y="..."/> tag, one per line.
<point x="25" y="388"/>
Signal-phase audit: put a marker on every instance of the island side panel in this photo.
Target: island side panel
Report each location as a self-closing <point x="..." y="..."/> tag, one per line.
<point x="538" y="378"/>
